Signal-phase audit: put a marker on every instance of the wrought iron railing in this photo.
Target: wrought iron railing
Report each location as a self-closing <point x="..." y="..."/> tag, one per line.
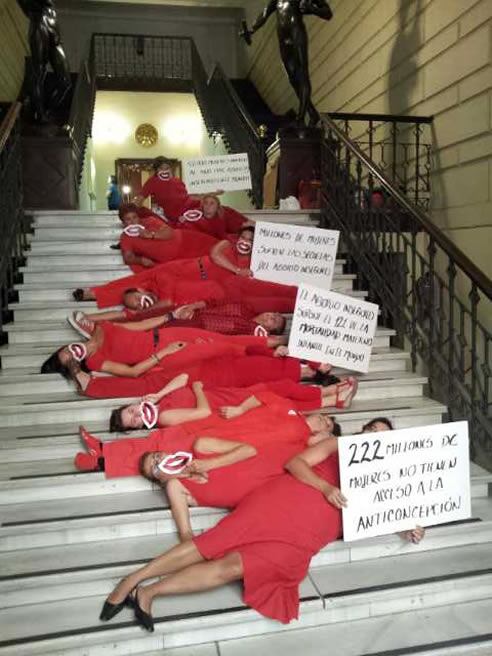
<point x="13" y="241"/>
<point x="82" y="112"/>
<point x="399" y="145"/>
<point x="435" y="297"/>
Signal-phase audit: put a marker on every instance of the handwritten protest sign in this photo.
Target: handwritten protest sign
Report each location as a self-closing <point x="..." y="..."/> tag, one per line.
<point x="226" y="172"/>
<point x="334" y="328"/>
<point x="397" y="480"/>
<point x="292" y="255"/>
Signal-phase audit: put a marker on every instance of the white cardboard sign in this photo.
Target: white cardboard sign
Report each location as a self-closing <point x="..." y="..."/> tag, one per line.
<point x="292" y="255"/>
<point x="332" y="328"/>
<point x="397" y="480"/>
<point x="226" y="172"/>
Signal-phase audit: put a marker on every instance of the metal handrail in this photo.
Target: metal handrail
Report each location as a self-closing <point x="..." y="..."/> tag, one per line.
<point x="386" y="118"/>
<point x="7" y="125"/>
<point x="476" y="275"/>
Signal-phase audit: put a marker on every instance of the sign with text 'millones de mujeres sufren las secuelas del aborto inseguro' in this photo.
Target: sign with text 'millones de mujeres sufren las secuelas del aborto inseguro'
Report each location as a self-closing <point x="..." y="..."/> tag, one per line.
<point x="397" y="480"/>
<point x="291" y="255"/>
<point x="333" y="328"/>
<point x="226" y="172"/>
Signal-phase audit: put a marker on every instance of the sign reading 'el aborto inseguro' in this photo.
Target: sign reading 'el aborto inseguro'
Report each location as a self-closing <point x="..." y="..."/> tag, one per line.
<point x="333" y="328"/>
<point x="209" y="174"/>
<point x="292" y="255"/>
<point x="397" y="480"/>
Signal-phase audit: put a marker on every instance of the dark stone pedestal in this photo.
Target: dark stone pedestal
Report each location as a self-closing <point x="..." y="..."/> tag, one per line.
<point x="49" y="172"/>
<point x="299" y="153"/>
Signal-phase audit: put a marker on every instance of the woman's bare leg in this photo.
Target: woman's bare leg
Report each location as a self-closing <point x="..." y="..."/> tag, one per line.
<point x="179" y="557"/>
<point x="194" y="578"/>
<point x="110" y="315"/>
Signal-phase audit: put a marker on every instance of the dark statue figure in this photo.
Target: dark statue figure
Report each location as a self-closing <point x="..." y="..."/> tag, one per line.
<point x="293" y="41"/>
<point x="46" y="48"/>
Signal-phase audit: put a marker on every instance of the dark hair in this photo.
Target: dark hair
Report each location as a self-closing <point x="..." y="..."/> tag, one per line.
<point x="250" y="229"/>
<point x="159" y="161"/>
<point x="126" y="208"/>
<point x="281" y="329"/>
<point x="376" y="420"/>
<point x="337" y="429"/>
<point x="113" y="179"/>
<point x="116" y="420"/>
<point x="53" y="365"/>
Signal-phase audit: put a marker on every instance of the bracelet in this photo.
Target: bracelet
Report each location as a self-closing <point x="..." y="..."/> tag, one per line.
<point x="170" y="317"/>
<point x="155" y="357"/>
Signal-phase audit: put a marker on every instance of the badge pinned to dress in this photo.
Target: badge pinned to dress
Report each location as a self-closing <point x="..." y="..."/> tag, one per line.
<point x="133" y="230"/>
<point x="149" y="413"/>
<point x="191" y="216"/>
<point x="244" y="247"/>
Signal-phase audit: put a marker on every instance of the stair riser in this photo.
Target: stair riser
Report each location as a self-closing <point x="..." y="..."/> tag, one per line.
<point x="234" y="625"/>
<point x="73" y="279"/>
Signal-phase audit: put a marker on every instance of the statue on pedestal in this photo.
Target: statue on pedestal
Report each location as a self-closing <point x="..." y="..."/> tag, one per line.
<point x="46" y="48"/>
<point x="293" y="41"/>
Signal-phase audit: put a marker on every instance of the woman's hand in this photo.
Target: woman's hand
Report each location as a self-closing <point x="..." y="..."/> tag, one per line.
<point x="184" y="312"/>
<point x="147" y="234"/>
<point x="197" y="385"/>
<point x="173" y="347"/>
<point x="281" y="352"/>
<point x="335" y="497"/>
<point x="415" y="536"/>
<point x="146" y="262"/>
<point x="151" y="398"/>
<point x="244" y="273"/>
<point x="231" y="411"/>
<point x="198" y="467"/>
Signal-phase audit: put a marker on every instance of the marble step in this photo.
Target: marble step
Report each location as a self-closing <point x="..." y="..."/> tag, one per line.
<point x="329" y="595"/>
<point x="56" y="292"/>
<point x="71" y="279"/>
<point x="404" y="413"/>
<point x="75" y="219"/>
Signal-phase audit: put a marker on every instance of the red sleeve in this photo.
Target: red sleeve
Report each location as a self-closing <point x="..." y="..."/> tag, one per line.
<point x="234" y="220"/>
<point x="152" y="223"/>
<point x="148" y="187"/>
<point x="259" y="350"/>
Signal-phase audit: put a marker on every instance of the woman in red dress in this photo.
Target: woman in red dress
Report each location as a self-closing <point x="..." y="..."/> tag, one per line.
<point x="147" y="240"/>
<point x="133" y="349"/>
<point x="267" y="542"/>
<point x="168" y="192"/>
<point x="227" y="266"/>
<point x="176" y="403"/>
<point x="213" y="219"/>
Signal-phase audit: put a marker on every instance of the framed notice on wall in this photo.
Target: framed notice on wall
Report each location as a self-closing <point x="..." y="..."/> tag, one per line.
<point x="397" y="480"/>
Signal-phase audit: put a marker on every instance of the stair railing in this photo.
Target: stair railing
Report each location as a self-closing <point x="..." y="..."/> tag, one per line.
<point x="12" y="228"/>
<point x="436" y="298"/>
<point x="399" y="145"/>
<point x="82" y="112"/>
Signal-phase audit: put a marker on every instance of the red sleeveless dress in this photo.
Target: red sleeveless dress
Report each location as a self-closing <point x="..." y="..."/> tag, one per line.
<point x="277" y="529"/>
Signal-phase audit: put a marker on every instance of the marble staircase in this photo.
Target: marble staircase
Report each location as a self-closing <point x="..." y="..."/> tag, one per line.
<point x="67" y="537"/>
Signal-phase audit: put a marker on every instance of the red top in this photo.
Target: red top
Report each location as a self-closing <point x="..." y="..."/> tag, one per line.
<point x="226" y="318"/>
<point x="226" y="222"/>
<point x="170" y="193"/>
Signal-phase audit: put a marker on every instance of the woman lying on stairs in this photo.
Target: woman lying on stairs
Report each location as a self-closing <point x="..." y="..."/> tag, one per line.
<point x="212" y="218"/>
<point x="226" y="271"/>
<point x="177" y="403"/>
<point x="267" y="542"/>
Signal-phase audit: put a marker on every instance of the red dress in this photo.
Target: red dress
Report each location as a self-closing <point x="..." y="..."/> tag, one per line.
<point x="274" y="425"/>
<point x="169" y="193"/>
<point x="131" y="347"/>
<point x="300" y="397"/>
<point x="214" y="369"/>
<point x="277" y="529"/>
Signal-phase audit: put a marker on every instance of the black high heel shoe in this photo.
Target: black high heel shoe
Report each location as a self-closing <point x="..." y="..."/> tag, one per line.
<point x="110" y="610"/>
<point x="144" y="619"/>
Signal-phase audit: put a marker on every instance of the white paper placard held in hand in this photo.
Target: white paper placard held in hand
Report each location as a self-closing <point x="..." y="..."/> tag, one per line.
<point x="397" y="480"/>
<point x="222" y="172"/>
<point x="333" y="328"/>
<point x="292" y="255"/>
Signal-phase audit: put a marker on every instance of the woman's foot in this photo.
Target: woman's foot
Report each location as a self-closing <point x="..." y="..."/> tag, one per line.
<point x="81" y="324"/>
<point x="110" y="610"/>
<point x="142" y="604"/>
<point x="92" y="444"/>
<point x="125" y="588"/>
<point x="346" y="390"/>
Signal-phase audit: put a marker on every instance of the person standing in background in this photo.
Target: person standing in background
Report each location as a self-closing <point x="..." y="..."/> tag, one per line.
<point x="113" y="193"/>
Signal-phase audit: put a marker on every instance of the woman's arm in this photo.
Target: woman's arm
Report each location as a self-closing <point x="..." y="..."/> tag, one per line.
<point x="182" y="415"/>
<point x="180" y="500"/>
<point x="163" y="234"/>
<point x="301" y="468"/>
<point x="231" y="411"/>
<point x="218" y="257"/>
<point x="136" y="370"/>
<point x="110" y="315"/>
<point x="230" y="453"/>
<point x="319" y="8"/>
